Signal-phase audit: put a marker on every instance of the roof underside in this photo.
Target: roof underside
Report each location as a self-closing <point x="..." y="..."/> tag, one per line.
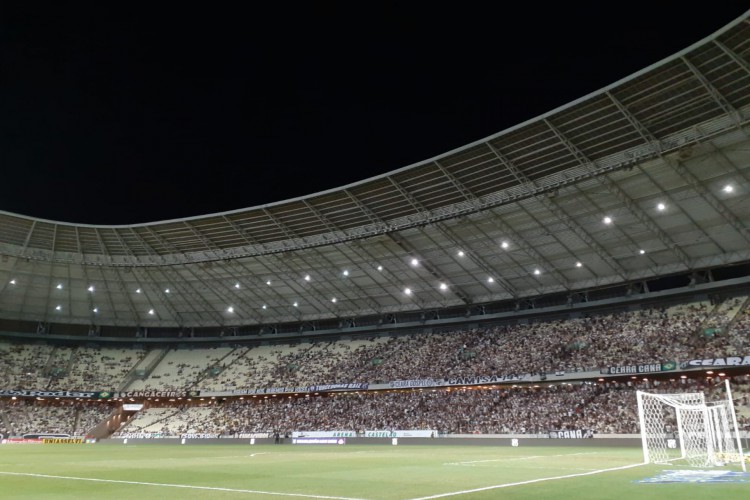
<point x="676" y="133"/>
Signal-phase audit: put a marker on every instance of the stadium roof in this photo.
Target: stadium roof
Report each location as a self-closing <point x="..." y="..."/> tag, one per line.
<point x="646" y="177"/>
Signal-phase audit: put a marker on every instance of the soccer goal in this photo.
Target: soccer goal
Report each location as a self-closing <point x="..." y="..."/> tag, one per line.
<point x="686" y="427"/>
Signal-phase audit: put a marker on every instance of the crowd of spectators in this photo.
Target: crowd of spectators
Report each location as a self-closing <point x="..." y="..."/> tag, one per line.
<point x="73" y="418"/>
<point x="602" y="407"/>
<point x="651" y="335"/>
<point x="43" y="366"/>
<point x="655" y="335"/>
<point x="181" y="366"/>
<point x="572" y="345"/>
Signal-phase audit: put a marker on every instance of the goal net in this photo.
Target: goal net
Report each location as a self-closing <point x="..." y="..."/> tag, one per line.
<point x="686" y="427"/>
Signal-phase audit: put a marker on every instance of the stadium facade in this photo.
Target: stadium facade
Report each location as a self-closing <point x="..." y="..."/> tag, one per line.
<point x="606" y="198"/>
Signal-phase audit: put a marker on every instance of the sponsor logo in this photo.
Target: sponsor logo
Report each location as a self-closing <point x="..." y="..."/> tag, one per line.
<point x="302" y="440"/>
<point x="140" y="435"/>
<point x="380" y="434"/>
<point x="698" y="476"/>
<point x="21" y="441"/>
<point x="52" y="394"/>
<point x="324" y="434"/>
<point x="63" y="440"/>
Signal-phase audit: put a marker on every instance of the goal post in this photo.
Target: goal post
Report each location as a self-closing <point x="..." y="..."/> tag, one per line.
<point x="684" y="426"/>
<point x="733" y="413"/>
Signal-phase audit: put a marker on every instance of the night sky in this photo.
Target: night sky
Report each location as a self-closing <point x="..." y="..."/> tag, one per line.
<point x="125" y="114"/>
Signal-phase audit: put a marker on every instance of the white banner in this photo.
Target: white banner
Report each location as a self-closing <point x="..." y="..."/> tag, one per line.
<point x="371" y="433"/>
<point x="139" y="435"/>
<point x="402" y="434"/>
<point x="323" y="434"/>
<point x="256" y="435"/>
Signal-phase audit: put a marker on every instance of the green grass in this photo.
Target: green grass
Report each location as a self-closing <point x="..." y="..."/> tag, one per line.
<point x="375" y="472"/>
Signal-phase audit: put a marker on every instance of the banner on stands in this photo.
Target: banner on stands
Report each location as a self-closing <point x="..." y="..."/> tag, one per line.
<point x="572" y="434"/>
<point x="636" y="369"/>
<point x="338" y="387"/>
<point x="401" y="434"/>
<point x="49" y="394"/>
<point x="251" y="435"/>
<point x="263" y="390"/>
<point x="303" y="440"/>
<point x="150" y="394"/>
<point x="727" y="361"/>
<point x="451" y="381"/>
<point x="20" y="441"/>
<point x="323" y="434"/>
<point x="139" y="435"/>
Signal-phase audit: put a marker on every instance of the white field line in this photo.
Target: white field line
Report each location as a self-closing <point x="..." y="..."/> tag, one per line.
<point x="180" y="459"/>
<point x="529" y="457"/>
<point x="531" y="481"/>
<point x="167" y="485"/>
<point x="547" y="468"/>
<point x="559" y="468"/>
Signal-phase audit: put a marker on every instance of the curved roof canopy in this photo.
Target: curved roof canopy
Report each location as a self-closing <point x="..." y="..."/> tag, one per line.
<point x="646" y="177"/>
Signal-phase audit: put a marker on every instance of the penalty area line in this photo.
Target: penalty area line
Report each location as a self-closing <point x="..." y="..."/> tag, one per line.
<point x="513" y="459"/>
<point x="530" y="481"/>
<point x="168" y="485"/>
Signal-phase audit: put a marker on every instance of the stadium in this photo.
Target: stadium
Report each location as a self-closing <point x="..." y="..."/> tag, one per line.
<point x="559" y="309"/>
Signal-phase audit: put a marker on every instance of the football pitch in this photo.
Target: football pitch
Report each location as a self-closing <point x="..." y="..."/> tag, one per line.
<point x="346" y="472"/>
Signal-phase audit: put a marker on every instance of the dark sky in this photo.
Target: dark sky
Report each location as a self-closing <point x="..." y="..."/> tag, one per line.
<point x="126" y="114"/>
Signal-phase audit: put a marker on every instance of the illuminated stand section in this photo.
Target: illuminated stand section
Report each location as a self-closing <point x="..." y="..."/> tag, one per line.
<point x="686" y="427"/>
